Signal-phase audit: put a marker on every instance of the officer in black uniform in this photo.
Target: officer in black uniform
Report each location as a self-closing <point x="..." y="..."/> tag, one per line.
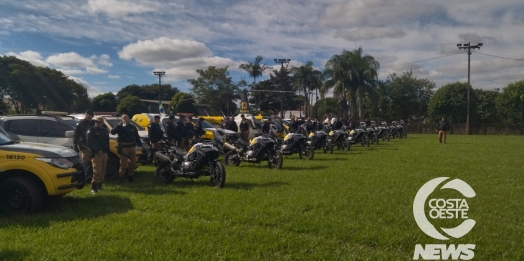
<point x="199" y="128"/>
<point x="127" y="139"/>
<point x="266" y="128"/>
<point x="155" y="133"/>
<point x="232" y="125"/>
<point x="182" y="134"/>
<point x="172" y="130"/>
<point x="80" y="139"/>
<point x="98" y="145"/>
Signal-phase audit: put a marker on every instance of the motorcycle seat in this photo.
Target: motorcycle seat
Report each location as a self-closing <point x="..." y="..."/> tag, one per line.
<point x="180" y="151"/>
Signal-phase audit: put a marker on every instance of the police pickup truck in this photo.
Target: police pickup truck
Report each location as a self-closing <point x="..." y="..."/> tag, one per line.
<point x="32" y="172"/>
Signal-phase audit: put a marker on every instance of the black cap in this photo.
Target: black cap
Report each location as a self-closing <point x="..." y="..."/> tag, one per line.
<point x="157" y="117"/>
<point x="242" y="115"/>
<point x="90" y="112"/>
<point x="171" y="117"/>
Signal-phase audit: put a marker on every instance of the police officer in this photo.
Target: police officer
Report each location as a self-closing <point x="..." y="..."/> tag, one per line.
<point x="127" y="140"/>
<point x="231" y="125"/>
<point x="245" y="125"/>
<point x="189" y="127"/>
<point x="266" y="128"/>
<point x="172" y="130"/>
<point x="98" y="145"/>
<point x="182" y="133"/>
<point x="155" y="133"/>
<point x="199" y="128"/>
<point x="79" y="142"/>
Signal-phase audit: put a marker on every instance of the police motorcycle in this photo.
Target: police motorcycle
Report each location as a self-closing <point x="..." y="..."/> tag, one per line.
<point x="200" y="160"/>
<point x="359" y="135"/>
<point x="318" y="140"/>
<point x="338" y="138"/>
<point x="261" y="148"/>
<point x="393" y="131"/>
<point x="400" y="129"/>
<point x="382" y="131"/>
<point x="297" y="143"/>
<point x="372" y="133"/>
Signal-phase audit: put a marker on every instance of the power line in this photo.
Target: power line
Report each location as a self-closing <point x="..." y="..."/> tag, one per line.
<point x="519" y="60"/>
<point x="421" y="60"/>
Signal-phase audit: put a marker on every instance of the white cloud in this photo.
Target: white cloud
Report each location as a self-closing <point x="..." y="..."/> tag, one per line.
<point x="31" y="56"/>
<point x="178" y="58"/>
<point x="91" y="90"/>
<point x="113" y="76"/>
<point x="370" y="33"/>
<point x="68" y="60"/>
<point x="72" y="63"/>
<point x="163" y="50"/>
<point x="360" y="13"/>
<point x="105" y="60"/>
<point x="116" y="8"/>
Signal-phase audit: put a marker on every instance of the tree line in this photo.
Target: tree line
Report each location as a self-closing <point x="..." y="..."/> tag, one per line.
<point x="350" y="76"/>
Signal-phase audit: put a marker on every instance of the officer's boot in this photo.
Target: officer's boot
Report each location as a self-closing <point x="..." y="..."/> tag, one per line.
<point x="100" y="186"/>
<point x="131" y="179"/>
<point x="94" y="188"/>
<point x="121" y="180"/>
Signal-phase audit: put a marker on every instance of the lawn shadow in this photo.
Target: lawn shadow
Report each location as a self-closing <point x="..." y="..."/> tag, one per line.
<point x="185" y="183"/>
<point x="13" y="255"/>
<point x="71" y="208"/>
<point x="147" y="188"/>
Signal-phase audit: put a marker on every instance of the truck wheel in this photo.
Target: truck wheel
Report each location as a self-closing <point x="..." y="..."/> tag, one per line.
<point x="20" y="196"/>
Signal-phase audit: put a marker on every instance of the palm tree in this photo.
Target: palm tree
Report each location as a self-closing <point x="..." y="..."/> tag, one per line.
<point x="352" y="75"/>
<point x="307" y="79"/>
<point x="255" y="70"/>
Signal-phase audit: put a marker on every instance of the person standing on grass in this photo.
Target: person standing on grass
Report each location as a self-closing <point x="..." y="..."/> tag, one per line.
<point x="442" y="129"/>
<point x="98" y="145"/>
<point x="79" y="142"/>
<point x="155" y="134"/>
<point x="127" y="142"/>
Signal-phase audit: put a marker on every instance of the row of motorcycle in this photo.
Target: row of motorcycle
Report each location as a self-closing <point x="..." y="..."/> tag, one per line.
<point x="269" y="148"/>
<point x="203" y="157"/>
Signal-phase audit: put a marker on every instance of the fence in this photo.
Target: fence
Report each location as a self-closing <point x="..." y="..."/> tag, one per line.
<point x="474" y="129"/>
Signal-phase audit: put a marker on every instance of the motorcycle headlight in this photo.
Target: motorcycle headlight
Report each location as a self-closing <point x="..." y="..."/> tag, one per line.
<point x="62" y="163"/>
<point x="330" y="133"/>
<point x="310" y="135"/>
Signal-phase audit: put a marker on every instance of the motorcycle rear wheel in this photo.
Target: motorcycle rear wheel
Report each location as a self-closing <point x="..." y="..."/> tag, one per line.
<point x="218" y="179"/>
<point x="231" y="158"/>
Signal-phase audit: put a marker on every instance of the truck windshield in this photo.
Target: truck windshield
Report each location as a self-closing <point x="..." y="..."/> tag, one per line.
<point x="4" y="140"/>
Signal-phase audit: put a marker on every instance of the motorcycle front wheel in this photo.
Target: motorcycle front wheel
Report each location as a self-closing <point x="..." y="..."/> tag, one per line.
<point x="276" y="161"/>
<point x="309" y="152"/>
<point x="163" y="173"/>
<point x="231" y="158"/>
<point x="218" y="179"/>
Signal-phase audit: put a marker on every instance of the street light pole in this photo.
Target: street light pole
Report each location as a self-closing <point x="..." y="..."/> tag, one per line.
<point x="159" y="74"/>
<point x="468" y="46"/>
<point x="282" y="62"/>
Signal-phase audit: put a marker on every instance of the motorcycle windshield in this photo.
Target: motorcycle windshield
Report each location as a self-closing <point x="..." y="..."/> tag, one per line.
<point x="276" y="123"/>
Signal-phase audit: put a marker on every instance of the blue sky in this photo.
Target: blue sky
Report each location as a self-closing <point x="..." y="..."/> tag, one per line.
<point x="108" y="44"/>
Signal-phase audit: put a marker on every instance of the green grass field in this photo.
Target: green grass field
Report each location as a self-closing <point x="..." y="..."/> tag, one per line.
<point x="354" y="205"/>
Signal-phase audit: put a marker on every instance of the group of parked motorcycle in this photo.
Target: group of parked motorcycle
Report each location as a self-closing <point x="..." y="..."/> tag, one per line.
<point x="203" y="157"/>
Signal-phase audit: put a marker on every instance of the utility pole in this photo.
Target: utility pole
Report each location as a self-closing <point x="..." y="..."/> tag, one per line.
<point x="468" y="46"/>
<point x="160" y="74"/>
<point x="282" y="62"/>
